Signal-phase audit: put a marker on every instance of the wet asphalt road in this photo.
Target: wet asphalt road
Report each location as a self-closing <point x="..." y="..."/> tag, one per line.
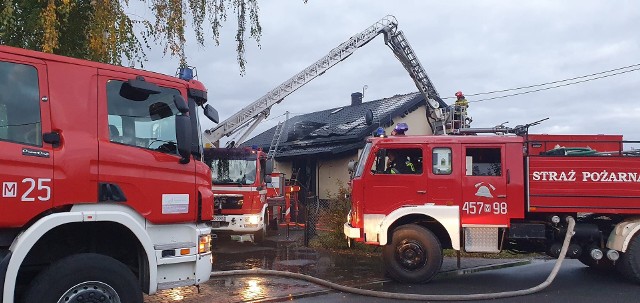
<point x="574" y="283"/>
<point x="285" y="255"/>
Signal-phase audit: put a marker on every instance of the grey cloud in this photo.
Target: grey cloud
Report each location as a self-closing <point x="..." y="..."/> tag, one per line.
<point x="473" y="46"/>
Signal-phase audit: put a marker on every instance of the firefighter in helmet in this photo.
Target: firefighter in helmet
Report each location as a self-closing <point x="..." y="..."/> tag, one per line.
<point x="460" y="111"/>
<point x="399" y="164"/>
<point x="461" y="100"/>
<point x="400" y="129"/>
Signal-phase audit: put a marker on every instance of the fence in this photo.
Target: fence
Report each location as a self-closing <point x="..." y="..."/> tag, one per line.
<point x="313" y="209"/>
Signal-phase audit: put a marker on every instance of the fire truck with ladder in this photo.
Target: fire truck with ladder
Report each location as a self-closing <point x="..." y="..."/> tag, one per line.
<point x="242" y="204"/>
<point x="104" y="194"/>
<point x="480" y="192"/>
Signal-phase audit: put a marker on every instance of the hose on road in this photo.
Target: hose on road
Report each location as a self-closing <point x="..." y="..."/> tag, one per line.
<point x="416" y="297"/>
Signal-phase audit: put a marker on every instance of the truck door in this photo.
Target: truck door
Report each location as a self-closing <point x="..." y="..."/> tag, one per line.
<point x="484" y="185"/>
<point x="26" y="161"/>
<point x="443" y="185"/>
<point x="396" y="179"/>
<point x="139" y="165"/>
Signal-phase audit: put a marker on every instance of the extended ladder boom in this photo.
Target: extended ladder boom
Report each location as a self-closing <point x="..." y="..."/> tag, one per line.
<point x="258" y="110"/>
<point x="403" y="51"/>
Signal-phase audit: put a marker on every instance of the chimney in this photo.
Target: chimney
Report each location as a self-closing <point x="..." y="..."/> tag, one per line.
<point x="356" y="98"/>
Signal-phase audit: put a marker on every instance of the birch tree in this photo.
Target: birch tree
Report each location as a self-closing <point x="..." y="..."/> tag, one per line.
<point x="102" y="30"/>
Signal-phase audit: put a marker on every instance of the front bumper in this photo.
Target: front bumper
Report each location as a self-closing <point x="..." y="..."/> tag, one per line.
<point x="237" y="223"/>
<point x="351" y="232"/>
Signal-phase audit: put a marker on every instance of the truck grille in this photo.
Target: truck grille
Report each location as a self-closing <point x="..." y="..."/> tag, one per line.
<point x="228" y="202"/>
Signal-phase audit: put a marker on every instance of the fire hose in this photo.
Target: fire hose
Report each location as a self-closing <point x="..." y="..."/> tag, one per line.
<point x="416" y="297"/>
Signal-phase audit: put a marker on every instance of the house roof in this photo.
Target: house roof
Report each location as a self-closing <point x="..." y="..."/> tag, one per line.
<point x="336" y="130"/>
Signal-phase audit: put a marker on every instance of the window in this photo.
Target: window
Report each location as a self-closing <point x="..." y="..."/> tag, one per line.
<point x="362" y="159"/>
<point x="149" y="123"/>
<point x="20" y="104"/>
<point x="484" y="162"/>
<point x="398" y="161"/>
<point x="233" y="166"/>
<point x="441" y="159"/>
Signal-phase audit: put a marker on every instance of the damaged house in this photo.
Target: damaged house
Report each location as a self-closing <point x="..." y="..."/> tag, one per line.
<point x="316" y="148"/>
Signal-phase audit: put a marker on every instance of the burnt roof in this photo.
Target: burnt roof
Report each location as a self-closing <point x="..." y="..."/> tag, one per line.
<point x="336" y="130"/>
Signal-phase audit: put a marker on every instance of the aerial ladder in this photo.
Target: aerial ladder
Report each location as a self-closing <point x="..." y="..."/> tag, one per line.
<point x="249" y="117"/>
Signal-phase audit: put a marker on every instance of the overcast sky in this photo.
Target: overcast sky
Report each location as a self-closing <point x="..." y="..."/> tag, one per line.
<point x="472" y="46"/>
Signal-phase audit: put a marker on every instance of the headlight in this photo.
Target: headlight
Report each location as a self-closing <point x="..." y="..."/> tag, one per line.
<point x="204" y="245"/>
<point x="253" y="219"/>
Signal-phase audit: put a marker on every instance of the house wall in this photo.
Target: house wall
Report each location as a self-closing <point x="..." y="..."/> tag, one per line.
<point x="416" y="120"/>
<point x="284" y="167"/>
<point x="333" y="172"/>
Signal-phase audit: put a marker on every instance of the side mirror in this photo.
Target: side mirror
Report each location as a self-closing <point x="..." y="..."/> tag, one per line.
<point x="352" y="166"/>
<point x="183" y="136"/>
<point x="211" y="113"/>
<point x="180" y="104"/>
<point x="269" y="166"/>
<point x="368" y="117"/>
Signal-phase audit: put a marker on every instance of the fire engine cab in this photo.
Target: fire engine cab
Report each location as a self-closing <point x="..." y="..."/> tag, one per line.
<point x="238" y="182"/>
<point x="488" y="193"/>
<point x="104" y="194"/>
<point x="249" y="195"/>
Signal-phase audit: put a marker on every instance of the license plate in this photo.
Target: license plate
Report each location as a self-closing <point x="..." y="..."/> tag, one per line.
<point x="218" y="218"/>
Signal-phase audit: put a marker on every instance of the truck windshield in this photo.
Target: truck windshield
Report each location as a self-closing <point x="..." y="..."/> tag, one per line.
<point x="363" y="158"/>
<point x="233" y="171"/>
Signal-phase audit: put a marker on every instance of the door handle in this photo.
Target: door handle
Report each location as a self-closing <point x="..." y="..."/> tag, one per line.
<point x="52" y="138"/>
<point x="422" y="192"/>
<point x="502" y="196"/>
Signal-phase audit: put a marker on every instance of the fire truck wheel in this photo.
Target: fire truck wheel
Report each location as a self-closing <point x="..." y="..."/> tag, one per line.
<point x="413" y="256"/>
<point x="85" y="278"/>
<point x="629" y="263"/>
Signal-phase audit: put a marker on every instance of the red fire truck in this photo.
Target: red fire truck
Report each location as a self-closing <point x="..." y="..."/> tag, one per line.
<point x="416" y="195"/>
<point x="104" y="195"/>
<point x="246" y="191"/>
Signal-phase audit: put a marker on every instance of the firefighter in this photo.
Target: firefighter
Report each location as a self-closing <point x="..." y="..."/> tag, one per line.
<point x="461" y="100"/>
<point x="400" y="129"/>
<point x="460" y="111"/>
<point x="399" y="164"/>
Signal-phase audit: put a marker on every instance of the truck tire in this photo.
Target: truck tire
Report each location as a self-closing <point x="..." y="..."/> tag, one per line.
<point x="413" y="256"/>
<point x="85" y="277"/>
<point x="629" y="263"/>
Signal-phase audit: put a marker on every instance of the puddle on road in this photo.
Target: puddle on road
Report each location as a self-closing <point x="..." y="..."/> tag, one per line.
<point x="284" y="256"/>
<point x="344" y="269"/>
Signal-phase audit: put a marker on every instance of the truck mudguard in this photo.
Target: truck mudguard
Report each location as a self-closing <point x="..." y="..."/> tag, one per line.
<point x="448" y="216"/>
<point x="80" y="213"/>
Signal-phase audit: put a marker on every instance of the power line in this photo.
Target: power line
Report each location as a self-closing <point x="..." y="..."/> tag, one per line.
<point x="607" y="72"/>
<point x="554" y="82"/>
<point x="556" y="86"/>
